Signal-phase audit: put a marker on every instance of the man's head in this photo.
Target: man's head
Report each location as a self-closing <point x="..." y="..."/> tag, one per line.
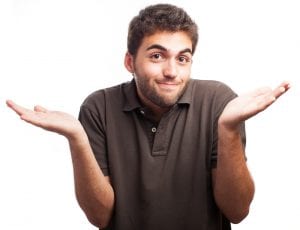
<point x="160" y="17"/>
<point x="161" y="43"/>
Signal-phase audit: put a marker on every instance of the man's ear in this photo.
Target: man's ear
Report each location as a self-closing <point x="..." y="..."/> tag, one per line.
<point x="128" y="62"/>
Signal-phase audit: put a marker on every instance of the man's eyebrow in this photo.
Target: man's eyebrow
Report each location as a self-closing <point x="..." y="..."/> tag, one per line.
<point x="160" y="47"/>
<point x="187" y="50"/>
<point x="156" y="46"/>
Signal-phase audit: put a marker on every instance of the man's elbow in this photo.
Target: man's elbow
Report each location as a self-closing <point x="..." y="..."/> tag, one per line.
<point x="99" y="221"/>
<point x="99" y="217"/>
<point x="237" y="217"/>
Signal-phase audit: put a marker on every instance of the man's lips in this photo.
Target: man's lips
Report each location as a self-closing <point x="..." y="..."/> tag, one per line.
<point x="168" y="82"/>
<point x="168" y="85"/>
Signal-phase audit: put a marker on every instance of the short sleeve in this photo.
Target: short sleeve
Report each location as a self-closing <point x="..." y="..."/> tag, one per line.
<point x="222" y="97"/>
<point x="95" y="130"/>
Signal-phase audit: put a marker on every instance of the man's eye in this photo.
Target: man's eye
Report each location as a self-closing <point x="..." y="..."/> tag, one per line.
<point x="183" y="59"/>
<point x="156" y="56"/>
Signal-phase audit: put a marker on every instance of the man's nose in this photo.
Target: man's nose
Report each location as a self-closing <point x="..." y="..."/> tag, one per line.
<point x="170" y="69"/>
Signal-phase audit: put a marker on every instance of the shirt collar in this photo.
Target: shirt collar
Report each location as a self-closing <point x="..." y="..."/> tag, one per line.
<point x="186" y="97"/>
<point x="132" y="102"/>
<point x="131" y="99"/>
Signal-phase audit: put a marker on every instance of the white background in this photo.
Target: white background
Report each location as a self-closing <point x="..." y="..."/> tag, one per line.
<point x="55" y="53"/>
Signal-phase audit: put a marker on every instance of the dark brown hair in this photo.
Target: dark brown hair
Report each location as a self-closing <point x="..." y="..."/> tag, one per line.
<point x="160" y="17"/>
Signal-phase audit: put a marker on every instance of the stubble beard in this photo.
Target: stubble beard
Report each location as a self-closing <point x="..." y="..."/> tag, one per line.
<point x="151" y="94"/>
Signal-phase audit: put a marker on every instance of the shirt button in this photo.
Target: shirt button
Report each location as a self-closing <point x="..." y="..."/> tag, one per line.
<point x="153" y="130"/>
<point x="142" y="112"/>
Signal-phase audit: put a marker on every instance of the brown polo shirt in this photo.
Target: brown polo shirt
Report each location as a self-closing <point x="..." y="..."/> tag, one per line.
<point x="160" y="173"/>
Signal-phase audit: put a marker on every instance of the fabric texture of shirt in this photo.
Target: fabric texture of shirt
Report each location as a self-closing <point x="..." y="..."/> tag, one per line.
<point x="160" y="172"/>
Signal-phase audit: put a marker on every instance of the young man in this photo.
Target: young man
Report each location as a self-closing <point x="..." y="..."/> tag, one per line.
<point x="163" y="151"/>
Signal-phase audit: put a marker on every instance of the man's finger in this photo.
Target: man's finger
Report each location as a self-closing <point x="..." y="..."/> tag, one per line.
<point x="39" y="108"/>
<point x="17" y="108"/>
<point x="281" y="89"/>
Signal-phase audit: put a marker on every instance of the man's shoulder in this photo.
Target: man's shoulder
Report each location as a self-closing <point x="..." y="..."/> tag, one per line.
<point x="211" y="96"/>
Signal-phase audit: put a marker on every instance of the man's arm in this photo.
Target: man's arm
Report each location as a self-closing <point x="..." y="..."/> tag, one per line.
<point x="233" y="185"/>
<point x="232" y="182"/>
<point x="93" y="190"/>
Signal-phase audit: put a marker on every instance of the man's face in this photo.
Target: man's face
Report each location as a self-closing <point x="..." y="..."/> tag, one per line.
<point x="162" y="68"/>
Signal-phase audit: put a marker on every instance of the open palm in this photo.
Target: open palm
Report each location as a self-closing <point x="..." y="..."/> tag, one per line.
<point x="248" y="105"/>
<point x="55" y="121"/>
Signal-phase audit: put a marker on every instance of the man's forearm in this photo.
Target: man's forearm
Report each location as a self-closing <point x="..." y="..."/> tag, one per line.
<point x="233" y="185"/>
<point x="93" y="190"/>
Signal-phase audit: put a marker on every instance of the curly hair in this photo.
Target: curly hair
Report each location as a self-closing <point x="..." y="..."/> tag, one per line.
<point x="160" y="17"/>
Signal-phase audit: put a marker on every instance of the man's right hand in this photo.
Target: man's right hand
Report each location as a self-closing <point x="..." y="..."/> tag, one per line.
<point x="54" y="121"/>
<point x="94" y="192"/>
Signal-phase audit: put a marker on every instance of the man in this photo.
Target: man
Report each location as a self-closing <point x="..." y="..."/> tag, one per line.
<point x="162" y="151"/>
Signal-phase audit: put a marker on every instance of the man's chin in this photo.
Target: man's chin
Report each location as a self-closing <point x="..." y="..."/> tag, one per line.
<point x="167" y="102"/>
